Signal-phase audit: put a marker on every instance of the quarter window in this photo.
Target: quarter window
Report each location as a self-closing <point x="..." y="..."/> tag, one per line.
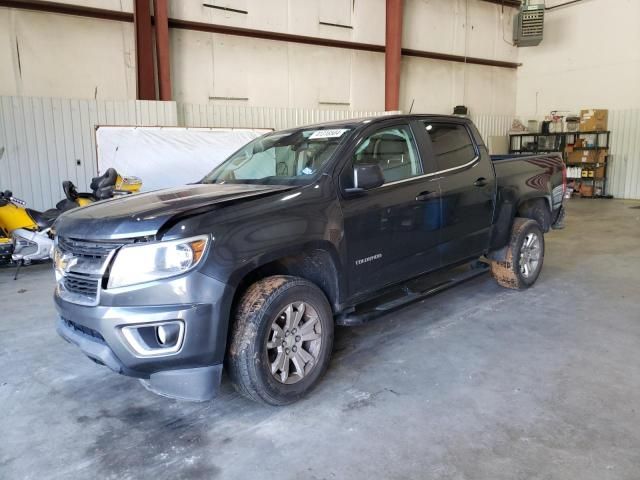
<point x="451" y="144"/>
<point x="394" y="150"/>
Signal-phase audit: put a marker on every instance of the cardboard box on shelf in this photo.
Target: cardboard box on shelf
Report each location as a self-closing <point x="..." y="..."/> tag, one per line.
<point x="594" y="120"/>
<point x="576" y="188"/>
<point x="591" y="171"/>
<point x="586" y="190"/>
<point x="587" y="156"/>
<point x="574" y="157"/>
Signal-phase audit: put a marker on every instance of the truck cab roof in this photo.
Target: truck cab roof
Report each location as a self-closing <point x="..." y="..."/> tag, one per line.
<point x="363" y="121"/>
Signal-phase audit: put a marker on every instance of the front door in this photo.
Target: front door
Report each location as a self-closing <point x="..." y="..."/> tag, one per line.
<point x="467" y="183"/>
<point x="391" y="231"/>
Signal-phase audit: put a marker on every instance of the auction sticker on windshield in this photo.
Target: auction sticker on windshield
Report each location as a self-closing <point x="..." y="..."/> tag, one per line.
<point x="335" y="133"/>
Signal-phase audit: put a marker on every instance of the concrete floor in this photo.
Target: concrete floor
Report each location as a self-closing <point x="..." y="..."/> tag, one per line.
<point x="478" y="382"/>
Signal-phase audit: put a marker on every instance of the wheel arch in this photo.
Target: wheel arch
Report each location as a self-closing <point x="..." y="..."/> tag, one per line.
<point x="316" y="262"/>
<point x="510" y="207"/>
<point x="536" y="208"/>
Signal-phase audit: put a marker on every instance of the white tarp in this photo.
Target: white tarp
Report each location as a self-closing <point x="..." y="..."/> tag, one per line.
<point x="167" y="156"/>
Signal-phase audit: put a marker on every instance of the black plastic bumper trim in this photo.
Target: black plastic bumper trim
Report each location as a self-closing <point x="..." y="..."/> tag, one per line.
<point x="191" y="384"/>
<point x="91" y="347"/>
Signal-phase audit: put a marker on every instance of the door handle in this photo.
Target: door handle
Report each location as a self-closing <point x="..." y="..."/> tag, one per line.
<point x="426" y="196"/>
<point x="481" y="182"/>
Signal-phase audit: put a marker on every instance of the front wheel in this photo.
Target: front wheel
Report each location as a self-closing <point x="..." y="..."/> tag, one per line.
<point x="281" y="340"/>
<point x="519" y="264"/>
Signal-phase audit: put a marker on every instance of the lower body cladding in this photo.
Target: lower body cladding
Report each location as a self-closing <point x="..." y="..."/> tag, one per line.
<point x="176" y="349"/>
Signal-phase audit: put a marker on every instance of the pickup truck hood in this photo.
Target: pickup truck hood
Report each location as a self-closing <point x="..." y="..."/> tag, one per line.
<point x="144" y="214"/>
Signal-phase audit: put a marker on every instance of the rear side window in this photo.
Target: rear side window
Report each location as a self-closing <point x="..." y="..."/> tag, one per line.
<point x="451" y="144"/>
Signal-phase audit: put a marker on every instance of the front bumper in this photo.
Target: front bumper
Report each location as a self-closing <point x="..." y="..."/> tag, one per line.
<point x="200" y="302"/>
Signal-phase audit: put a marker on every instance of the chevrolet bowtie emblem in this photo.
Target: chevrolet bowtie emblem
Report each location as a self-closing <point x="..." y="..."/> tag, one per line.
<point x="65" y="262"/>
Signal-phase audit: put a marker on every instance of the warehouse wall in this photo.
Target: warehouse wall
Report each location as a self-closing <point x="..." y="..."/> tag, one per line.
<point x="447" y="26"/>
<point x="589" y="58"/>
<point x="624" y="156"/>
<point x="275" y="73"/>
<point x="63" y="56"/>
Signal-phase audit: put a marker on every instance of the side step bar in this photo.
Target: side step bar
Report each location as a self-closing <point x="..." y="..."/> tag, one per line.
<point x="412" y="292"/>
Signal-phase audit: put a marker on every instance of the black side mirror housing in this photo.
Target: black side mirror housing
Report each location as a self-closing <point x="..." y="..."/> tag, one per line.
<point x="366" y="176"/>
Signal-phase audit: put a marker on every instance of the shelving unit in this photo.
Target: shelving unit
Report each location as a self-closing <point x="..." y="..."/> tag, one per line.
<point x="593" y="172"/>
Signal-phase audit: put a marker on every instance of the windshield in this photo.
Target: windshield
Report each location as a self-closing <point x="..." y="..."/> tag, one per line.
<point x="281" y="158"/>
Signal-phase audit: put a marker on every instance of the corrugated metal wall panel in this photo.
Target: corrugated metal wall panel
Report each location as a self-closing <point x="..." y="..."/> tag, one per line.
<point x="49" y="140"/>
<point x="492" y="125"/>
<point x="624" y="160"/>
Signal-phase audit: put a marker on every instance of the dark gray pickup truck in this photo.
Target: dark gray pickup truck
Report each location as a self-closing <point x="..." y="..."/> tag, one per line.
<point x="296" y="232"/>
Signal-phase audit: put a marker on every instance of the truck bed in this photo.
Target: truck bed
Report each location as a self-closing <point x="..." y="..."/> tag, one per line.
<point x="523" y="178"/>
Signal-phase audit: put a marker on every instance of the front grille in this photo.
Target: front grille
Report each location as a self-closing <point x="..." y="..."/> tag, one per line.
<point x="80" y="285"/>
<point x="86" y="331"/>
<point x="84" y="248"/>
<point x="81" y="279"/>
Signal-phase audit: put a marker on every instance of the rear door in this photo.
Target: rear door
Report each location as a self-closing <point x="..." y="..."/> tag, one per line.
<point x="391" y="231"/>
<point x="467" y="185"/>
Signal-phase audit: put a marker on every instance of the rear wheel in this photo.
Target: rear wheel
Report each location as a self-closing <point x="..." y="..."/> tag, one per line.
<point x="519" y="264"/>
<point x="281" y="340"/>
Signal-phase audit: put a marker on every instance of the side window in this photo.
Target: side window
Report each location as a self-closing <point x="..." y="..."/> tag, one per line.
<point x="451" y="143"/>
<point x="394" y="150"/>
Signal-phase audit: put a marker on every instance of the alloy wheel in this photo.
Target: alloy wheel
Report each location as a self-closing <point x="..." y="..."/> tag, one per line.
<point x="530" y="255"/>
<point x="293" y="344"/>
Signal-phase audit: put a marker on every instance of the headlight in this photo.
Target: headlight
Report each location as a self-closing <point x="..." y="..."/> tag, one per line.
<point x="153" y="261"/>
<point x="59" y="263"/>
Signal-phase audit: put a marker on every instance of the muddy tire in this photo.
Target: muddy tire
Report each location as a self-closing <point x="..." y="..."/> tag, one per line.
<point x="281" y="340"/>
<point x="519" y="263"/>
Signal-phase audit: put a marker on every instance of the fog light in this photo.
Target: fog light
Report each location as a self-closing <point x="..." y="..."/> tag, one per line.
<point x="155" y="339"/>
<point x="168" y="334"/>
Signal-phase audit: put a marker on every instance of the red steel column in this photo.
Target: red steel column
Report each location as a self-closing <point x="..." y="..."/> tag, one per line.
<point x="392" y="55"/>
<point x="144" y="50"/>
<point x="162" y="48"/>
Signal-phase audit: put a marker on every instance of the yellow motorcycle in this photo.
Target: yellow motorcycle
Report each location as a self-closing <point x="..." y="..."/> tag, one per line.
<point x="106" y="186"/>
<point x="6" y="248"/>
<point x="30" y="230"/>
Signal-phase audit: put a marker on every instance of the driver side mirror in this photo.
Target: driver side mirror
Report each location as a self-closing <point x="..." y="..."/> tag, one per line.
<point x="366" y="176"/>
